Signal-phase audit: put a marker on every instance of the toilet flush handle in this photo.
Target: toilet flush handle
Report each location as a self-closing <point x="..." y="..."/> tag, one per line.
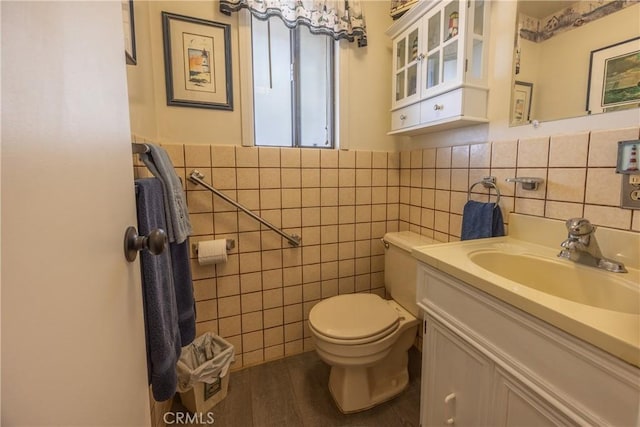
<point x="450" y="408"/>
<point x="385" y="243"/>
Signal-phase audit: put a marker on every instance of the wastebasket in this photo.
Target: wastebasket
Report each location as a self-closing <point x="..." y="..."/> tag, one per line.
<point x="203" y="372"/>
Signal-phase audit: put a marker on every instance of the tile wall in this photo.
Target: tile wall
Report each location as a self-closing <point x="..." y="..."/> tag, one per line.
<point x="578" y="172"/>
<point x="342" y="203"/>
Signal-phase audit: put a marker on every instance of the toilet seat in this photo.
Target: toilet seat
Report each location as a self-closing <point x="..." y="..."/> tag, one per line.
<point x="353" y="319"/>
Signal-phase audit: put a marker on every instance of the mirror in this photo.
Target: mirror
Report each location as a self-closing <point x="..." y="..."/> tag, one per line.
<point x="573" y="58"/>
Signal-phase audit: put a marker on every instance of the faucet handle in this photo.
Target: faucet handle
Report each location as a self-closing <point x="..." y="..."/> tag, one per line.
<point x="580" y="226"/>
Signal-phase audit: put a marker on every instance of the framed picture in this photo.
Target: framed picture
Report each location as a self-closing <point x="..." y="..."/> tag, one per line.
<point x="521" y="103"/>
<point x="197" y="62"/>
<point x="628" y="157"/>
<point x="129" y="32"/>
<point x="614" y="77"/>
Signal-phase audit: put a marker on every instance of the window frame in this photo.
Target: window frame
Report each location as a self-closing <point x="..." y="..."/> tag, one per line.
<point x="246" y="90"/>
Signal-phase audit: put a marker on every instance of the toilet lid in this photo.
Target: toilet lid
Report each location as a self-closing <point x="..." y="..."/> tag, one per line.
<point x="354" y="317"/>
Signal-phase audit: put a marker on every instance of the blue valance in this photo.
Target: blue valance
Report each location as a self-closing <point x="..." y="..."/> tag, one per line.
<point x="340" y="19"/>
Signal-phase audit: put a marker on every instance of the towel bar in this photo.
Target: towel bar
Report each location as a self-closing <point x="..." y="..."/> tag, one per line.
<point x="487" y="182"/>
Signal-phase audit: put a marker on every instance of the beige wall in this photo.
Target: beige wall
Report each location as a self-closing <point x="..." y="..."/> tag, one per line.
<point x="365" y="86"/>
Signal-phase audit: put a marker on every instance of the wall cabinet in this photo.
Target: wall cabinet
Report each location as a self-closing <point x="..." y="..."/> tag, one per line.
<point x="488" y="363"/>
<point x="439" y="66"/>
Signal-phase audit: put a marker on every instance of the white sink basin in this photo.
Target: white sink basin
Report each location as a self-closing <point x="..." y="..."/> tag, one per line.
<point x="563" y="279"/>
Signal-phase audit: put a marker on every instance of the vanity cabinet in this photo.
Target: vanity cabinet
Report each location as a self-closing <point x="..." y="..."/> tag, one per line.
<point x="439" y="67"/>
<point x="488" y="363"/>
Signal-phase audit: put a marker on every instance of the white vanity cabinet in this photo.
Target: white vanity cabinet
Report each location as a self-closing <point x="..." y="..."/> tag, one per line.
<point x="488" y="363"/>
<point x="439" y="66"/>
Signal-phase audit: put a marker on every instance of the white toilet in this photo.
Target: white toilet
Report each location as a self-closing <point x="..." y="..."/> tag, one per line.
<point x="365" y="338"/>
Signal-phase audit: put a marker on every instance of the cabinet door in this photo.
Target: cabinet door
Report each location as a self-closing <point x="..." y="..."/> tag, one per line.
<point x="443" y="48"/>
<point x="515" y="404"/>
<point x="406" y="48"/>
<point x="456" y="380"/>
<point x="476" y="67"/>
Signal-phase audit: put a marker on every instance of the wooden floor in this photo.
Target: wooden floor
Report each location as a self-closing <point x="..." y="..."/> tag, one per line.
<point x="293" y="392"/>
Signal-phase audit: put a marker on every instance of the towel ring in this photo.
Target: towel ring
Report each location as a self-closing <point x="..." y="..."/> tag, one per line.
<point x="488" y="182"/>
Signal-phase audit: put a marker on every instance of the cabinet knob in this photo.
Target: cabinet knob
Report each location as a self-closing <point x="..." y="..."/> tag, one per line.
<point x="438" y="107"/>
<point x="420" y="57"/>
<point x="403" y="117"/>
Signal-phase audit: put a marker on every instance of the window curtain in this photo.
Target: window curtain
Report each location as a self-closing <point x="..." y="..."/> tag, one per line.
<point x="340" y="19"/>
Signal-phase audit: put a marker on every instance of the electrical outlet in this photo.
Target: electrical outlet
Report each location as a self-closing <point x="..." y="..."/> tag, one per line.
<point x="630" y="194"/>
<point x="634" y="179"/>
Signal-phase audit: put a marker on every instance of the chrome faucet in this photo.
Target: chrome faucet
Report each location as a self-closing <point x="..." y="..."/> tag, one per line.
<point x="582" y="247"/>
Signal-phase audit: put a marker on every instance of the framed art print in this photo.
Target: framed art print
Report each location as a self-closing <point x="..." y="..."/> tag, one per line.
<point x="614" y="77"/>
<point x="197" y="57"/>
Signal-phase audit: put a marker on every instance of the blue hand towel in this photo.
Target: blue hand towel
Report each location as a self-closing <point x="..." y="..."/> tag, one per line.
<point x="481" y="220"/>
<point x="160" y="308"/>
<point x="178" y="224"/>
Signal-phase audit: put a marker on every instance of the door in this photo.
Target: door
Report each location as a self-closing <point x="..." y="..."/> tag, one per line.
<point x="73" y="348"/>
<point x="515" y="404"/>
<point x="443" y="48"/>
<point x="456" y="382"/>
<point x="406" y="54"/>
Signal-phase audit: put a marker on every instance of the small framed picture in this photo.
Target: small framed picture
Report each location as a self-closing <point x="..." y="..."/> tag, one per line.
<point x="628" y="152"/>
<point x="197" y="60"/>
<point x="129" y="32"/>
<point x="614" y="77"/>
<point x="521" y="103"/>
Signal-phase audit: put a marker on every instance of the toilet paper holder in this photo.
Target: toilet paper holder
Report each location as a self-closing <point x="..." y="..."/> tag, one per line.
<point x="231" y="243"/>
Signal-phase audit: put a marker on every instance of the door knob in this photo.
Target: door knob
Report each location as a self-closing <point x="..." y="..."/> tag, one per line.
<point x="155" y="242"/>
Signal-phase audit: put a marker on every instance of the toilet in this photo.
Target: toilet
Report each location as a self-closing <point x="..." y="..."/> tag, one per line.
<point x="365" y="338"/>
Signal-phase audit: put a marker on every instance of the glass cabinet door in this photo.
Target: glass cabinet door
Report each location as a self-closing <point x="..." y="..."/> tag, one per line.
<point x="406" y="66"/>
<point x="443" y="47"/>
<point x="477" y="66"/>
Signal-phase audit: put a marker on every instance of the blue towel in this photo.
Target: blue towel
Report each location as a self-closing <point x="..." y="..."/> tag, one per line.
<point x="160" y="308"/>
<point x="481" y="220"/>
<point x="158" y="162"/>
<point x="183" y="286"/>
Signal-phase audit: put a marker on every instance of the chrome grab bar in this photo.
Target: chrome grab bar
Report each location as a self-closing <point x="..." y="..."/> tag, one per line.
<point x="196" y="177"/>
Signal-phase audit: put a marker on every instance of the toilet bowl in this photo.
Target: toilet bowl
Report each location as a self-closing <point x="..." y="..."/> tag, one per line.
<point x="365" y="338"/>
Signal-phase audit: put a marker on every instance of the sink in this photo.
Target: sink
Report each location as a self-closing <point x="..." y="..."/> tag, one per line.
<point x="562" y="279"/>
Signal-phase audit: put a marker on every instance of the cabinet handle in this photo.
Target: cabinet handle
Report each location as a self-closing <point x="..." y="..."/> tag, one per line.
<point x="420" y="57"/>
<point x="438" y="107"/>
<point x="450" y="409"/>
<point x="403" y="117"/>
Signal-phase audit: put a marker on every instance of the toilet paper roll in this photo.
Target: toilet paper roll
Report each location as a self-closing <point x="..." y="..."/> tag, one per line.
<point x="212" y="252"/>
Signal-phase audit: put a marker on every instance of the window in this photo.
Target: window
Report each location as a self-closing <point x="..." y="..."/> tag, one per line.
<point x="293" y="86"/>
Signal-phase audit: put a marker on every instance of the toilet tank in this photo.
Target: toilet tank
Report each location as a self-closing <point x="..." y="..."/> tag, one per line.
<point x="400" y="267"/>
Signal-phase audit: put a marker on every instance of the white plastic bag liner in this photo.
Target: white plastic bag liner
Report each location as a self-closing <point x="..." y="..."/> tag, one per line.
<point x="205" y="360"/>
